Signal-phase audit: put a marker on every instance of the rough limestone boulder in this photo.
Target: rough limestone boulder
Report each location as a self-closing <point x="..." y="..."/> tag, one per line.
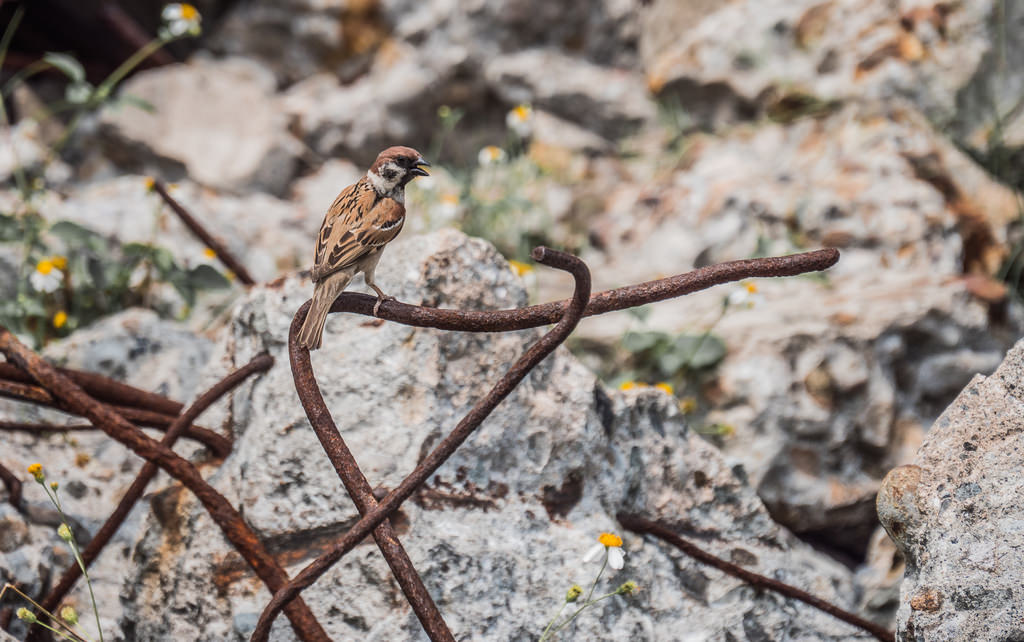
<point x="956" y="515"/>
<point x="499" y="532"/>
<point x="93" y="471"/>
<point x="216" y="121"/>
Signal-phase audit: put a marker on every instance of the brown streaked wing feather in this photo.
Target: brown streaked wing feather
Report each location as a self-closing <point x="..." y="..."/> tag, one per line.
<point x="354" y="233"/>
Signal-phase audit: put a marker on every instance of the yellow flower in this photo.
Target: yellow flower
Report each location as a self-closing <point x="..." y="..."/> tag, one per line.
<point x="150" y="183"/>
<point x="665" y="386"/>
<point x="54" y="485"/>
<point x="520" y="268"/>
<point x="610" y="539"/>
<point x="60" y="319"/>
<point x="26" y="616"/>
<point x="627" y="588"/>
<point x="36" y="470"/>
<point x="180" y="19"/>
<point x="59" y="262"/>
<point x="520" y="120"/>
<point x="64" y="532"/>
<point x="69" y="615"/>
<point x="687" y="405"/>
<point x="45" y="266"/>
<point x="209" y="253"/>
<point x="627" y="385"/>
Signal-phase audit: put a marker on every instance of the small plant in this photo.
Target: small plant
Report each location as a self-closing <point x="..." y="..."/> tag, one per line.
<point x="609" y="549"/>
<point x="62" y="625"/>
<point x="70" y="275"/>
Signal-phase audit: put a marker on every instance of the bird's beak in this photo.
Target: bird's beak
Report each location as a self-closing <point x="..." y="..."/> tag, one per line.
<point x="417" y="170"/>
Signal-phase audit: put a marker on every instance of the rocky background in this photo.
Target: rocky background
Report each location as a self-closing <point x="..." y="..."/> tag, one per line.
<point x="651" y="137"/>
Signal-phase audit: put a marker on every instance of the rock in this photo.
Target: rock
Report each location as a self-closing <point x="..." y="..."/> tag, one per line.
<point x="611" y="102"/>
<point x="315" y="193"/>
<point x="956" y="515"/>
<point x="268" y="235"/>
<point x="498" y="533"/>
<point x="732" y="61"/>
<point x="825" y="388"/>
<point x="196" y="125"/>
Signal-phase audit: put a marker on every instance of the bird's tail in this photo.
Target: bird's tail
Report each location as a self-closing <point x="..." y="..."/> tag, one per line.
<point x="324" y="294"/>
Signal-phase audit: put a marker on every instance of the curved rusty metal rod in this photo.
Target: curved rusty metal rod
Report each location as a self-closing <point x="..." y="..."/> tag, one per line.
<point x="13" y="485"/>
<point x="641" y="525"/>
<point x="211" y="241"/>
<point x="571" y="315"/>
<point x="358" y="487"/>
<point x="104" y="389"/>
<point x="602" y="302"/>
<point x="220" y="509"/>
<point x="218" y="444"/>
<point x="260" y="363"/>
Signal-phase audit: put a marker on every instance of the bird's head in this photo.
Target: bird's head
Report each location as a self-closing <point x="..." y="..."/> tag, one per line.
<point x="394" y="168"/>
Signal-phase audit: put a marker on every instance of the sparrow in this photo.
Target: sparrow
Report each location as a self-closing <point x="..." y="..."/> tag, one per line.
<point x="363" y="219"/>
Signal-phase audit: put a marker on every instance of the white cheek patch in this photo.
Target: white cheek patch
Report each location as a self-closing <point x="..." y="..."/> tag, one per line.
<point x="386" y="186"/>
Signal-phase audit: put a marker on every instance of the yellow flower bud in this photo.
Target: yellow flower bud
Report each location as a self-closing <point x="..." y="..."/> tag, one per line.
<point x="574" y="593"/>
<point x="64" y="532"/>
<point x="69" y="615"/>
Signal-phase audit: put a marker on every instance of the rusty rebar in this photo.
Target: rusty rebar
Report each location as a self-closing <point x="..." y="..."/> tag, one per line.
<point x="103" y="388"/>
<point x="570" y="316"/>
<point x="13" y="485"/>
<point x="218" y="444"/>
<point x="642" y="525"/>
<point x="358" y="487"/>
<point x="220" y="509"/>
<point x="260" y="363"/>
<point x="602" y="302"/>
<point x="211" y="241"/>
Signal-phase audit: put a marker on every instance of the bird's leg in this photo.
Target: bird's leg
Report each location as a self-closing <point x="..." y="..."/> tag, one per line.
<point x="381" y="297"/>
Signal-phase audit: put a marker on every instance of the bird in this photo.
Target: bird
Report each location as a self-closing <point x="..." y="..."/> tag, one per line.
<point x="364" y="218"/>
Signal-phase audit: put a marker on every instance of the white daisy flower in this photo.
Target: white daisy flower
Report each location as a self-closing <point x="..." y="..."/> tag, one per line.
<point x="180" y="18"/>
<point x="613" y="545"/>
<point x="490" y="155"/>
<point x="746" y="295"/>
<point x="47" y="276"/>
<point x="520" y="120"/>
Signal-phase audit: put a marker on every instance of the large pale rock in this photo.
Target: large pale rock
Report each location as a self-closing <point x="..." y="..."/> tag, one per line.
<point x="958" y="63"/>
<point x="93" y="470"/>
<point x="498" y="533"/>
<point x="826" y="385"/>
<point x="611" y="102"/>
<point x="268" y="235"/>
<point x="218" y="119"/>
<point x="956" y="516"/>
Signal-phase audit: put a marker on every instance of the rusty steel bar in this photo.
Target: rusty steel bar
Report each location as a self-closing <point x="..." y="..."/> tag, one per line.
<point x="359" y="488"/>
<point x="571" y="316"/>
<point x="103" y="388"/>
<point x="641" y="525"/>
<point x="220" y="509"/>
<point x="13" y="485"/>
<point x="218" y="444"/>
<point x="260" y="363"/>
<point x="212" y="242"/>
<point x="602" y="302"/>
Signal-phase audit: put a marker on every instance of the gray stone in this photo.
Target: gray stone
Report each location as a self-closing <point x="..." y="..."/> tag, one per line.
<point x="498" y="533"/>
<point x="955" y="515"/>
<point x="611" y="102"/>
<point x="218" y="119"/>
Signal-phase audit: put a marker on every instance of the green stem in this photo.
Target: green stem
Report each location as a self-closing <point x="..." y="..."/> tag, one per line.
<point x="586" y="605"/>
<point x="105" y="87"/>
<point x="593" y="586"/>
<point x="551" y="622"/>
<point x="78" y="557"/>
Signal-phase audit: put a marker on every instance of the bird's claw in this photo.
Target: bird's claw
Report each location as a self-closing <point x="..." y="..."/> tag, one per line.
<point x="381" y="299"/>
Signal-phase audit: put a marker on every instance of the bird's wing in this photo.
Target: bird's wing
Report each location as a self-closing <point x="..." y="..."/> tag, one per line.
<point x="359" y="222"/>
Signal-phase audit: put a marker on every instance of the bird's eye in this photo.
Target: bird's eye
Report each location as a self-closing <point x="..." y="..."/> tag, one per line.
<point x="389" y="173"/>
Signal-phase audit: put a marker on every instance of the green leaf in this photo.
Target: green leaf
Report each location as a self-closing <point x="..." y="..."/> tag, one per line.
<point x="128" y="100"/>
<point x="78" y="235"/>
<point x="699" y="351"/>
<point x="66" y="64"/>
<point x="642" y="341"/>
<point x="206" y="277"/>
